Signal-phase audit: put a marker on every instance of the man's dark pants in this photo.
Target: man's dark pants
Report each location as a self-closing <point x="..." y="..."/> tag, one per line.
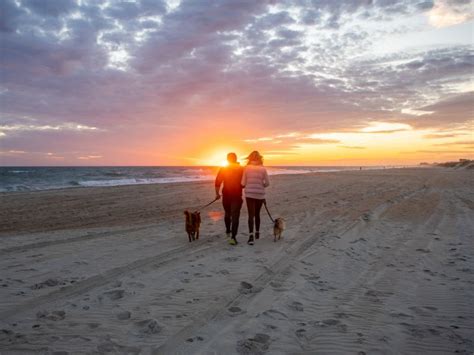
<point x="232" y="205"/>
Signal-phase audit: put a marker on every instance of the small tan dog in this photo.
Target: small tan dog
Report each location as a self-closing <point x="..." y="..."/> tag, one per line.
<point x="278" y="228"/>
<point x="193" y="222"/>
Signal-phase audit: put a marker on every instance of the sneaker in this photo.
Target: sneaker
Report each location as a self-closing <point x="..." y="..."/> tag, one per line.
<point x="250" y="241"/>
<point x="233" y="241"/>
<point x="257" y="235"/>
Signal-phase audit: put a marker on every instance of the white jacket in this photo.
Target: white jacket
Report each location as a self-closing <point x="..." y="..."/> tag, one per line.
<point x="254" y="180"/>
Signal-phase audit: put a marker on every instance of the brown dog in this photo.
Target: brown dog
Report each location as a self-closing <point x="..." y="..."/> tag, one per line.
<point x="193" y="222"/>
<point x="278" y="228"/>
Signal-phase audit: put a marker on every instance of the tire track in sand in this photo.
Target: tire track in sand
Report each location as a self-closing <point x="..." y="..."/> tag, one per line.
<point x="104" y="278"/>
<point x="177" y="343"/>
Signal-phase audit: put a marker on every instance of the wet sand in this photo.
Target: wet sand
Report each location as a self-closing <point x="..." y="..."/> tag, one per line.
<point x="371" y="261"/>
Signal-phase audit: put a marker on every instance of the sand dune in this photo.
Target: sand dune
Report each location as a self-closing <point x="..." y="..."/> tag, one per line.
<point x="371" y="262"/>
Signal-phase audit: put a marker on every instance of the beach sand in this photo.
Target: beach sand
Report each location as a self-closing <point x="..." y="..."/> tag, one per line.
<point x="372" y="261"/>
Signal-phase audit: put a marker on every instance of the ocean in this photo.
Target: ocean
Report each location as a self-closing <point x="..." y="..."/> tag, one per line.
<point x="46" y="178"/>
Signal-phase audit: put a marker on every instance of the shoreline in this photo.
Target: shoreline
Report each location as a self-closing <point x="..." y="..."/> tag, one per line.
<point x="105" y="183"/>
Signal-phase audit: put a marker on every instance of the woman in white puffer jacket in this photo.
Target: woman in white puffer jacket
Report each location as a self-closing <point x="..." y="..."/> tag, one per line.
<point x="254" y="182"/>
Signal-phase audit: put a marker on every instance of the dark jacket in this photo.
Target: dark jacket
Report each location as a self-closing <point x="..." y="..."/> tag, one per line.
<point x="231" y="177"/>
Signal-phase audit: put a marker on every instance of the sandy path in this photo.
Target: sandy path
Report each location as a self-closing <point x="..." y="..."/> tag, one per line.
<point x="375" y="261"/>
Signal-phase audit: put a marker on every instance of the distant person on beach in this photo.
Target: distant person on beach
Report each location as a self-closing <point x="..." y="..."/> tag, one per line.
<point x="231" y="177"/>
<point x="254" y="180"/>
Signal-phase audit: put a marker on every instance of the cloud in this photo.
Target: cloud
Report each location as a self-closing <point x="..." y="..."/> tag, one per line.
<point x="453" y="110"/>
<point x="315" y="140"/>
<point x="465" y="143"/>
<point x="442" y="135"/>
<point x="434" y="151"/>
<point x="412" y="112"/>
<point x="262" y="139"/>
<point x="351" y="147"/>
<point x="450" y="12"/>
<point x="385" y="127"/>
<point x="10" y="16"/>
<point x="143" y="70"/>
<point x="89" y="157"/>
<point x="50" y="7"/>
<point x="61" y="127"/>
<point x="12" y="152"/>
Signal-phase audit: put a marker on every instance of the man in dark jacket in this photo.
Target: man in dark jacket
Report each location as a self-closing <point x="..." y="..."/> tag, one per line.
<point x="231" y="177"/>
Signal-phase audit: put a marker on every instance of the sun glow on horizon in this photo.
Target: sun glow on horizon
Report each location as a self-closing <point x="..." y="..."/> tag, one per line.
<point x="217" y="157"/>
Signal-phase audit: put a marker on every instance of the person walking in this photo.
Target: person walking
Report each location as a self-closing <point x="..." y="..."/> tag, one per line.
<point x="231" y="177"/>
<point x="254" y="181"/>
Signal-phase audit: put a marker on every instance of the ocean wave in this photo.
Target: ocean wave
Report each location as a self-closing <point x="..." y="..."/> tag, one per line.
<point x="277" y="171"/>
<point x="138" y="181"/>
<point x="114" y="173"/>
<point x="18" y="188"/>
<point x="18" y="171"/>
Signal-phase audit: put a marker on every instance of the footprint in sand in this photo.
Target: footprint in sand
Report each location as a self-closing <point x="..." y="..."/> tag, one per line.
<point x="429" y="272"/>
<point x="124" y="315"/>
<point x="254" y="346"/>
<point x="358" y="240"/>
<point x="341" y="315"/>
<point x="198" y="338"/>
<point x="114" y="295"/>
<point x="81" y="262"/>
<point x="271" y="326"/>
<point x="413" y="330"/>
<point x="400" y="315"/>
<point x="296" y="306"/>
<point x="301" y="333"/>
<point x="276" y="285"/>
<point x="48" y="283"/>
<point x="116" y="284"/>
<point x="313" y="277"/>
<point x="246" y="288"/>
<point x="149" y="326"/>
<point x="54" y="316"/>
<point x="233" y="311"/>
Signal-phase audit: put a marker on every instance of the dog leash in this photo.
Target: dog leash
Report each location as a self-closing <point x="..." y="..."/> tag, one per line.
<point x="269" y="215"/>
<point x="210" y="203"/>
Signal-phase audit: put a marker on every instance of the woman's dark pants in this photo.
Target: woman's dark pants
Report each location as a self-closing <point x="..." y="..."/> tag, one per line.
<point x="254" y="206"/>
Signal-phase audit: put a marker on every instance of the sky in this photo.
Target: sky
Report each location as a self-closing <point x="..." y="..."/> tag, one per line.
<point x="305" y="82"/>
